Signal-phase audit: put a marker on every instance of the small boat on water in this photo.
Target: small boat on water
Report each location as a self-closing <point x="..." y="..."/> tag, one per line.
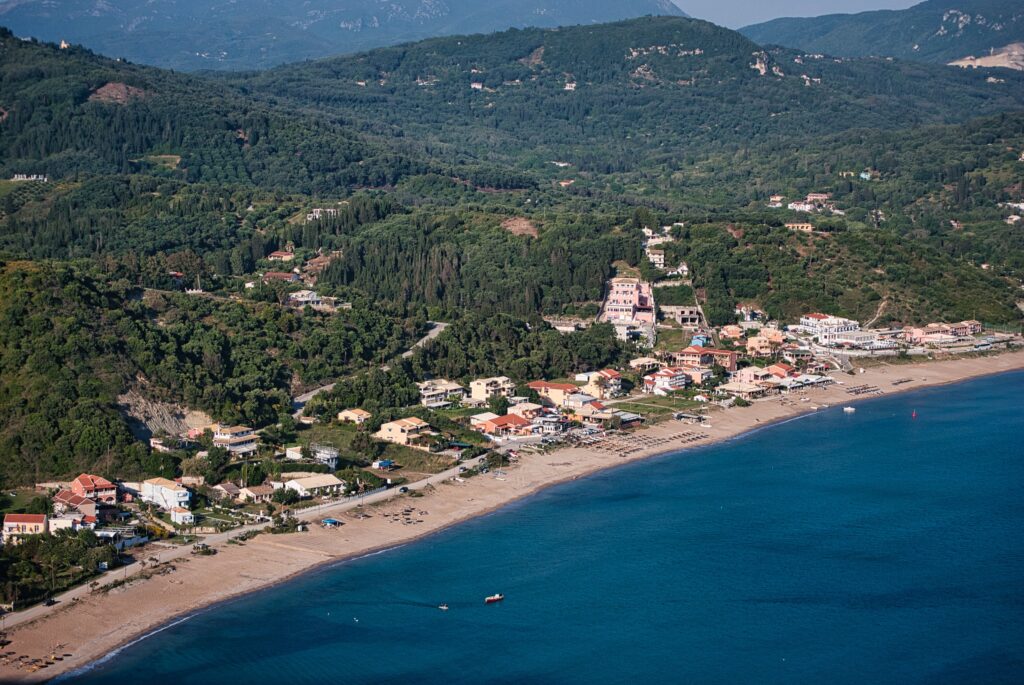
<point x="849" y="410"/>
<point x="494" y="598"/>
<point x="443" y="607"/>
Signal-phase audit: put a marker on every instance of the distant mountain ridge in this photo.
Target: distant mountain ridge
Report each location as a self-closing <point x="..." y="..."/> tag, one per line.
<point x="933" y="31"/>
<point x="222" y="34"/>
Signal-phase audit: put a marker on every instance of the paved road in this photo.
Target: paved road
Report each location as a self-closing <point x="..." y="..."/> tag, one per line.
<point x="436" y="330"/>
<point x="164" y="553"/>
<point x="299" y="402"/>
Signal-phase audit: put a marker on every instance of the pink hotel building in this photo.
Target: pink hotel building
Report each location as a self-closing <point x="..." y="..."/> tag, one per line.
<point x="629" y="301"/>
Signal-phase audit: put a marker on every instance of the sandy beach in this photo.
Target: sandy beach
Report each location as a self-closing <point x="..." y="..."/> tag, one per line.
<point x="90" y="625"/>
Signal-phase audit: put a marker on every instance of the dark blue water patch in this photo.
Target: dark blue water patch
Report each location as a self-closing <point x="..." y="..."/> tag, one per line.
<point x="848" y="548"/>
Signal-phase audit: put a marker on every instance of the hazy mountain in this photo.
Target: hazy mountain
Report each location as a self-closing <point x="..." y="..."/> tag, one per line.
<point x="223" y="34"/>
<point x="933" y="31"/>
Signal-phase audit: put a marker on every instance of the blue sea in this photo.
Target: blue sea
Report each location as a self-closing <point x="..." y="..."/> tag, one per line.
<point x="836" y="548"/>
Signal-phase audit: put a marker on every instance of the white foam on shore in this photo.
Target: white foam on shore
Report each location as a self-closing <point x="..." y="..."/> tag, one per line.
<point x="110" y="655"/>
<point x="113" y="653"/>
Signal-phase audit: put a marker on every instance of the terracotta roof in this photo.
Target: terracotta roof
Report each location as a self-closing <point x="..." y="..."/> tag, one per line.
<point x="24" y="518"/>
<point x="71" y="499"/>
<point x="544" y="385"/>
<point x="91" y="482"/>
<point x="511" y="420"/>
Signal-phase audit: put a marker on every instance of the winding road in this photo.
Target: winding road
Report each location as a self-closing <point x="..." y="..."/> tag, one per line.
<point x="299" y="401"/>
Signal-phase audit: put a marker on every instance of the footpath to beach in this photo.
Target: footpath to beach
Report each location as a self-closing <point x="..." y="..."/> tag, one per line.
<point x="89" y="625"/>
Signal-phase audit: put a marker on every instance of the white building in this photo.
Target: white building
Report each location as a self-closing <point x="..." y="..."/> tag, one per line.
<point x="828" y="329"/>
<point x="440" y="393"/>
<point x="182" y="517"/>
<point x="315" y="486"/>
<point x="301" y="298"/>
<point x="326" y="455"/>
<point x="664" y="381"/>
<point x="238" y="440"/>
<point x="165" y="494"/>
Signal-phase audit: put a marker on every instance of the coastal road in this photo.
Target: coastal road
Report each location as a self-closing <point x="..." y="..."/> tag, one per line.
<point x="162" y="554"/>
<point x="165" y="554"/>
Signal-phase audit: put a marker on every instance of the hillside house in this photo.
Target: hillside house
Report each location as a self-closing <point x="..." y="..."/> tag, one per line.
<point x="237" y="440"/>
<point x="96" y="488"/>
<point x="302" y="298"/>
<point x="281" y="256"/>
<point x="483" y="389"/>
<point x="440" y="393"/>
<point x="656" y="257"/>
<point x="280" y="277"/>
<point x="411" y="432"/>
<point x="687" y="316"/>
<point x="66" y="501"/>
<point x="629" y="300"/>
<point x="227" y="490"/>
<point x="356" y="416"/>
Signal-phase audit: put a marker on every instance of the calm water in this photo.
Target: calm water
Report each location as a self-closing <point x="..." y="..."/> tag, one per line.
<point x="860" y="548"/>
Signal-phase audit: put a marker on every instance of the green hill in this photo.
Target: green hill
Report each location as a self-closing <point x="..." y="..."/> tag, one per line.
<point x="934" y="31"/>
<point x="640" y="90"/>
<point x="220" y="34"/>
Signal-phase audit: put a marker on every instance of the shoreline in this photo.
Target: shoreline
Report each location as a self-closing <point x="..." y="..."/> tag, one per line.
<point x="97" y="627"/>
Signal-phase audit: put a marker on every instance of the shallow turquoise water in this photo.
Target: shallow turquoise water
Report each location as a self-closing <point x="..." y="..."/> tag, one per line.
<point x="863" y="548"/>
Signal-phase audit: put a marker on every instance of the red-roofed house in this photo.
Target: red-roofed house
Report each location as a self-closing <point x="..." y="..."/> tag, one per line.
<point x="281" y="256"/>
<point x="96" y="488"/>
<point x="284" y="276"/>
<point x="555" y="393"/>
<point x="780" y="370"/>
<point x="510" y="424"/>
<point x="604" y="384"/>
<point x="17" y="526"/>
<point x="66" y="500"/>
<point x="669" y="379"/>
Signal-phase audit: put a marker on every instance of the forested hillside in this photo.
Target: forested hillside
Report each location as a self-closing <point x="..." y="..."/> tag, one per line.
<point x="69" y="111"/>
<point x="72" y="342"/>
<point x="621" y="97"/>
<point x="933" y="31"/>
<point x="487" y="182"/>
